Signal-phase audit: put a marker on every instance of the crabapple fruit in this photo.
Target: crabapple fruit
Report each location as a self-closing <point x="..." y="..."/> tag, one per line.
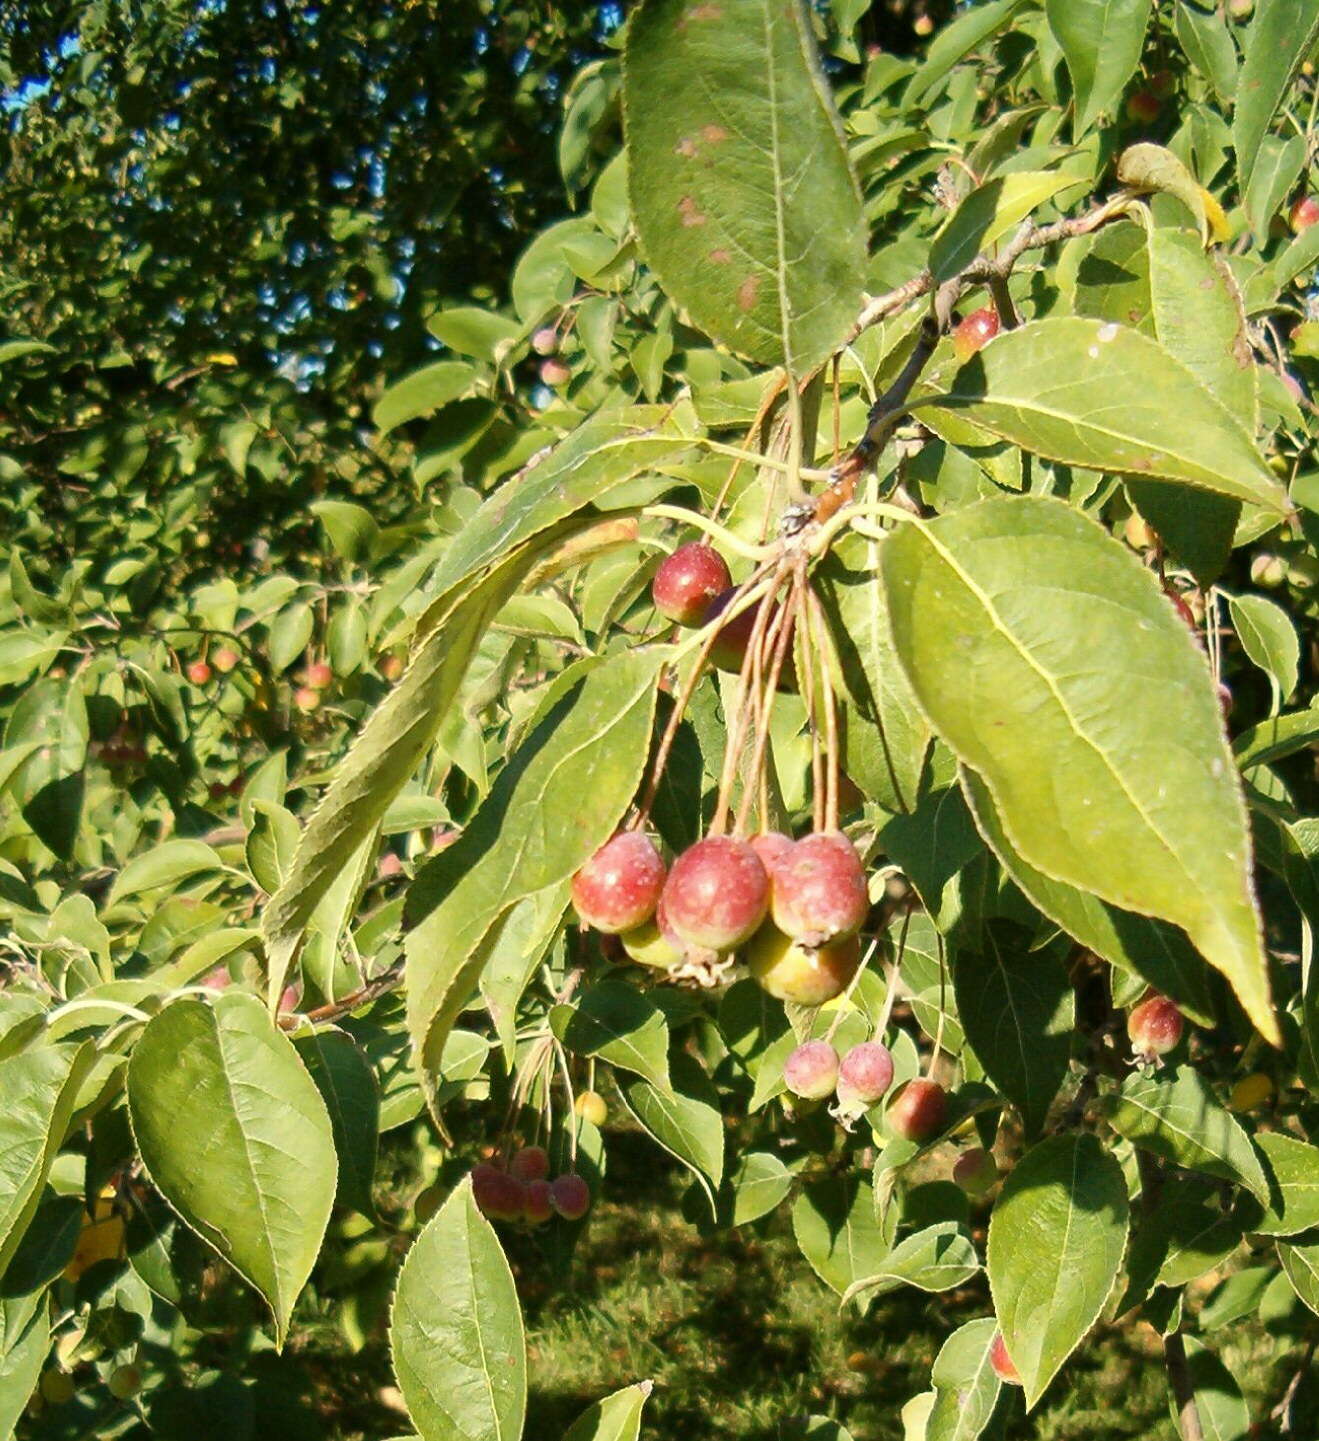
<point x="199" y="673"/>
<point x="1143" y="107"/>
<point x="124" y="1382"/>
<point x="590" y="1106"/>
<point x="545" y="341"/>
<point x="531" y="1163"/>
<point x="537" y="1205"/>
<point x="390" y="666"/>
<point x="818" y="890"/>
<point x="717" y="893"/>
<point x="224" y="659"/>
<point x="554" y="373"/>
<point x="306" y="699"/>
<point x="918" y="1111"/>
<point x="975" y="1171"/>
<point x="865" y="1074"/>
<point x="687" y="581"/>
<point x="618" y="889"/>
<point x="320" y="676"/>
<point x="811" y="1071"/>
<point x="773" y="847"/>
<point x="975" y="332"/>
<point x="1001" y="1362"/>
<point x="655" y="942"/>
<point x="499" y="1196"/>
<point x="730" y="647"/>
<point x="570" y="1196"/>
<point x="1268" y="570"/>
<point x="1251" y="1092"/>
<point x="1154" y="1026"/>
<point x="57" y="1387"/>
<point x="791" y="972"/>
<point x="1304" y="213"/>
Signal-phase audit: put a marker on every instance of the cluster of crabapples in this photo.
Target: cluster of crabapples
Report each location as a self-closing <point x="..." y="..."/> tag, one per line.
<point x="522" y="1191"/>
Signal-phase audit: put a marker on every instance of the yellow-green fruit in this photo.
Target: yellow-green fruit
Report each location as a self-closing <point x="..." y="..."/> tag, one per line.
<point x="793" y="973"/>
<point x="1303" y="569"/>
<point x="590" y="1106"/>
<point x="1251" y="1092"/>
<point x="647" y="945"/>
<point x="124" y="1382"/>
<point x="57" y="1387"/>
<point x="1268" y="570"/>
<point x="1139" y="532"/>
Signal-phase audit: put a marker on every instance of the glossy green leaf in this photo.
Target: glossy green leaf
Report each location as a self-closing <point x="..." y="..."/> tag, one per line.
<point x="1280" y="37"/>
<point x="456" y="1334"/>
<point x="558" y="799"/>
<point x="744" y="200"/>
<point x="236" y="1137"/>
<point x="989" y="213"/>
<point x="348" y="1086"/>
<point x="1056" y="1239"/>
<point x="616" y="1418"/>
<point x="1101" y="41"/>
<point x="1100" y="396"/>
<point x="1180" y="1119"/>
<point x="1300" y="1262"/>
<point x="1269" y="638"/>
<point x="422" y="392"/>
<point x="686" y="1119"/>
<point x="1222" y="1409"/>
<point x="621" y="1025"/>
<point x="965" y="1385"/>
<point x="40" y="1088"/>
<point x="836" y="1228"/>
<point x="1292" y="1168"/>
<point x="1153" y="950"/>
<point x="937" y="1258"/>
<point x="1046" y="656"/>
<point x="1017" y="1009"/>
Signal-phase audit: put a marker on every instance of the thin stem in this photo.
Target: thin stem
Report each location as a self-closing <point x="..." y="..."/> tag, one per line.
<point x="779" y="639"/>
<point x="812" y="717"/>
<point x="943" y="994"/>
<point x="1179" y="1378"/>
<point x="843" y="1000"/>
<point x="726" y="538"/>
<point x="829" y="700"/>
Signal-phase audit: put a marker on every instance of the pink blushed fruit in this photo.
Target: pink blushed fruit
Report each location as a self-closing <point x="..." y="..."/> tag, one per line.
<point x="537" y="1206"/>
<point x="793" y="973"/>
<point x="545" y="341"/>
<point x="570" y="1196"/>
<point x="554" y="373"/>
<point x="224" y="659"/>
<point x="688" y="581"/>
<point x="1155" y="1027"/>
<point x="975" y="332"/>
<point x="1304" y="213"/>
<point x="199" y="673"/>
<point x="531" y="1163"/>
<point x="975" y="1171"/>
<point x="717" y="893"/>
<point x="918" y="1111"/>
<point x="499" y="1196"/>
<point x="773" y="848"/>
<point x="320" y="676"/>
<point x="811" y="1071"/>
<point x="620" y="886"/>
<point x="865" y="1074"/>
<point x="1143" y="107"/>
<point x="818" y="890"/>
<point x="1001" y="1363"/>
<point x="306" y="699"/>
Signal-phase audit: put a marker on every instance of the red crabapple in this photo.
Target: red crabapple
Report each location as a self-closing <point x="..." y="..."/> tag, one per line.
<point x="199" y="673"/>
<point x="975" y="1171"/>
<point x="865" y="1074"/>
<point x="717" y="893"/>
<point x="554" y="373"/>
<point x="499" y="1196"/>
<point x="793" y="973"/>
<point x="975" y="332"/>
<point x="818" y="890"/>
<point x="811" y="1071"/>
<point x="531" y="1163"/>
<point x="320" y="676"/>
<point x="918" y="1111"/>
<point x="688" y="581"/>
<point x="1304" y="213"/>
<point x="570" y="1196"/>
<point x="1155" y="1027"/>
<point x="537" y="1206"/>
<point x="773" y="847"/>
<point x="224" y="659"/>
<point x="306" y="699"/>
<point x="620" y="886"/>
<point x="730" y="648"/>
<point x="1001" y="1362"/>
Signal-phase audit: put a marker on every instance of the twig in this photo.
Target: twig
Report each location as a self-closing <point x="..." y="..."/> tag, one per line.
<point x="388" y="980"/>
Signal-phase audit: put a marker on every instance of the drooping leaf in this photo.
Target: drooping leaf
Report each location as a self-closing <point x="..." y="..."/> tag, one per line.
<point x="236" y="1137"/>
<point x="936" y="1258"/>
<point x="685" y="1120"/>
<point x="558" y="799"/>
<point x="1155" y="168"/>
<point x="1292" y="1168"/>
<point x="1047" y="658"/>
<point x="621" y="1025"/>
<point x="1101" y="41"/>
<point x="745" y="203"/>
<point x="1056" y="1239"/>
<point x="1103" y="397"/>
<point x="456" y="1334"/>
<point x="1181" y="1120"/>
<point x="422" y="392"/>
<point x="836" y="1228"/>
<point x="1281" y="36"/>
<point x="348" y="1086"/>
<point x="1222" y="1409"/>
<point x="616" y="1418"/>
<point x="965" y="1385"/>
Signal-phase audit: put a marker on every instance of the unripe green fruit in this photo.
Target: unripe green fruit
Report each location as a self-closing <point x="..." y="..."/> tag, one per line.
<point x="1251" y="1092"/>
<point x="426" y="1204"/>
<point x="590" y="1106"/>
<point x="124" y="1382"/>
<point x="976" y="1172"/>
<point x="57" y="1387"/>
<point x="793" y="973"/>
<point x="1268" y="570"/>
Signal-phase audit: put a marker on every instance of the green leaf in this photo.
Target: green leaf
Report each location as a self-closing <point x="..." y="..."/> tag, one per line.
<point x="934" y="1259"/>
<point x="1224" y="1415"/>
<point x="47" y="1247"/>
<point x="616" y="1418"/>
<point x="1103" y="397"/>
<point x="14" y="348"/>
<point x="348" y="1086"/>
<point x="1280" y="37"/>
<point x="272" y="842"/>
<point x="1018" y="1012"/>
<point x="1152" y="167"/>
<point x="1269" y="638"/>
<point x="1039" y="647"/>
<point x="1182" y="1120"/>
<point x="237" y="1139"/>
<point x="483" y="334"/>
<point x="1101" y="41"/>
<point x="1278" y="166"/>
<point x="965" y="1385"/>
<point x="40" y="1089"/>
<point x="744" y="200"/>
<point x="1183" y="1237"/>
<point x="989" y="212"/>
<point x="760" y="1183"/>
<point x="1301" y="1265"/>
<point x="932" y="843"/>
<point x="456" y="1334"/>
<point x="1292" y="1167"/>
<point x="166" y="865"/>
<point x="1204" y="37"/>
<point x="1154" y="950"/>
<point x="1056" y="1238"/>
<point x="837" y="1230"/>
<point x="972" y="28"/>
<point x="24" y="1342"/>
<point x="557" y="800"/>
<point x="385" y="754"/>
<point x="352" y="529"/>
<point x="422" y="392"/>
<point x="621" y="1025"/>
<point x="686" y="1120"/>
